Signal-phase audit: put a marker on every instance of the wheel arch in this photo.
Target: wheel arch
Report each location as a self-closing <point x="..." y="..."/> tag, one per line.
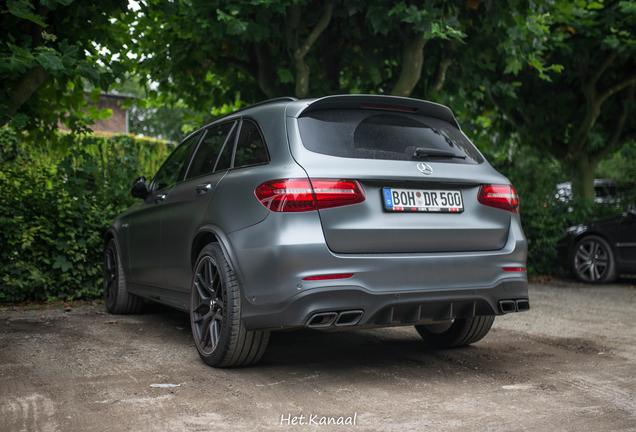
<point x="209" y="234"/>
<point x="110" y="234"/>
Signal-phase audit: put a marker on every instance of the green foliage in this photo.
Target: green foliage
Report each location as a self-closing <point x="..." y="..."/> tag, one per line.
<point x="49" y="51"/>
<point x="621" y="166"/>
<point x="544" y="215"/>
<point x="580" y="108"/>
<point x="55" y="209"/>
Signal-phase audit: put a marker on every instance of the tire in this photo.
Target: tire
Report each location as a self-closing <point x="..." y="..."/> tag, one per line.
<point x="215" y="314"/>
<point x="592" y="260"/>
<point x="461" y="332"/>
<point x="118" y="300"/>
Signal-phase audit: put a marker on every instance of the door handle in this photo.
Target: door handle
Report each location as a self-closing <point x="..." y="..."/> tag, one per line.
<point x="159" y="198"/>
<point x="203" y="188"/>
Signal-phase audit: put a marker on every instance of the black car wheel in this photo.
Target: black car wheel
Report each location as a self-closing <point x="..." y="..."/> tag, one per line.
<point x="455" y="333"/>
<point x="592" y="260"/>
<point x="118" y="300"/>
<point x="215" y="314"/>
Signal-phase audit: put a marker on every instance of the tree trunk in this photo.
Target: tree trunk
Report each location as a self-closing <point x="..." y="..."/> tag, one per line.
<point x="583" y="176"/>
<point x="412" y="61"/>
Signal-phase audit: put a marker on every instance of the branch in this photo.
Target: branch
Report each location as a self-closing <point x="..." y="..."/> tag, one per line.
<point x="618" y="87"/>
<point x="622" y="118"/>
<point x="320" y="27"/>
<point x="440" y="77"/>
<point x="606" y="63"/>
<point x="302" y="70"/>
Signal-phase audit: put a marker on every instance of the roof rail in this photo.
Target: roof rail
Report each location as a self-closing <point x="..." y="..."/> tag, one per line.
<point x="265" y="102"/>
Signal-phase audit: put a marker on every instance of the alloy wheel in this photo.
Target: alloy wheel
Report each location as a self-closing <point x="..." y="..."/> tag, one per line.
<point x="591" y="260"/>
<point x="110" y="275"/>
<point x="207" y="306"/>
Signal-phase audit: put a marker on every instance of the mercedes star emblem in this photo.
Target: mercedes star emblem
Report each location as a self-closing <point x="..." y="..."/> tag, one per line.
<point x="425" y="168"/>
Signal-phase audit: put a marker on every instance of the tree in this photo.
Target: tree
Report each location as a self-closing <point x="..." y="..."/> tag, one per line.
<point x="52" y="49"/>
<point x="580" y="115"/>
<point x="212" y="52"/>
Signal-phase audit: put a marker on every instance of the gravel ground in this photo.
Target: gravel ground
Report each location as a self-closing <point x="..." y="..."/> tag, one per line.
<point x="567" y="365"/>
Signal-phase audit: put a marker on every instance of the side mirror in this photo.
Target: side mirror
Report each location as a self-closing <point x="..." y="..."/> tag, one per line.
<point x="140" y="188"/>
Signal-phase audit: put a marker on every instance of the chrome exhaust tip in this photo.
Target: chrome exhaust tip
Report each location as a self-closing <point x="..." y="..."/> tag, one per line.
<point x="523" y="305"/>
<point x="323" y="319"/>
<point x="507" y="306"/>
<point x="349" y="318"/>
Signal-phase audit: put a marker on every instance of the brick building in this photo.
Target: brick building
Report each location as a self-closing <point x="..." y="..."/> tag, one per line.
<point x="116" y="123"/>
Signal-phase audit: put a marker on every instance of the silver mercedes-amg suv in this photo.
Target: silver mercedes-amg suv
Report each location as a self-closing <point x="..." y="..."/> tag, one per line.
<point x="332" y="213"/>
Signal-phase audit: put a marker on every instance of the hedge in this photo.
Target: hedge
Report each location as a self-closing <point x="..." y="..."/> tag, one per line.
<point x="55" y="209"/>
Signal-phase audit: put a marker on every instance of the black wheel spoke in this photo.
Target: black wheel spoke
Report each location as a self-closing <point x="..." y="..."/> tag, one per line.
<point x="207" y="300"/>
<point x="204" y="297"/>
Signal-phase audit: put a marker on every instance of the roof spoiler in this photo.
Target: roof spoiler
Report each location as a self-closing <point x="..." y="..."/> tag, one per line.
<point x="390" y="103"/>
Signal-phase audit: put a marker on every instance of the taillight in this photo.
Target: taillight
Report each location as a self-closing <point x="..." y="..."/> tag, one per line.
<point x="499" y="196"/>
<point x="300" y="195"/>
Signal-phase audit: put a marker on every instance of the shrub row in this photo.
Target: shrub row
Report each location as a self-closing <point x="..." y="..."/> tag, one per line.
<point x="54" y="210"/>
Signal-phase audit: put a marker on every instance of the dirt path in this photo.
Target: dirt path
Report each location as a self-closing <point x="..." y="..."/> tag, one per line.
<point x="567" y="365"/>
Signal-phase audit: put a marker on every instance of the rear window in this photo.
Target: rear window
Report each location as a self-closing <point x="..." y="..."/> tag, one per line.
<point x="363" y="134"/>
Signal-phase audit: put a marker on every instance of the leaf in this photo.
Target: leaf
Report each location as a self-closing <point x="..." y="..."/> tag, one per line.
<point x="515" y="33"/>
<point x="513" y="65"/>
<point x="21" y="10"/>
<point x="285" y="75"/>
<point x="595" y="5"/>
<point x="19" y="121"/>
<point x="20" y="53"/>
<point x="86" y="70"/>
<point x="50" y="61"/>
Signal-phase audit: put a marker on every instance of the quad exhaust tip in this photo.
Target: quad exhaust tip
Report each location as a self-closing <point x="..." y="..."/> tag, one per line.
<point x="339" y="319"/>
<point x="510" y="306"/>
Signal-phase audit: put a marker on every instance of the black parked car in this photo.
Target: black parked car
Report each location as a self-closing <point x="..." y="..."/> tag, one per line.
<point x="598" y="251"/>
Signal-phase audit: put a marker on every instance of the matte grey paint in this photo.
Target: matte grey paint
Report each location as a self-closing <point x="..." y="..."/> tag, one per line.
<point x="272" y="252"/>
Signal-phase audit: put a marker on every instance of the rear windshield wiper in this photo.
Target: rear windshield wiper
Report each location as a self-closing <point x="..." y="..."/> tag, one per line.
<point x="426" y="152"/>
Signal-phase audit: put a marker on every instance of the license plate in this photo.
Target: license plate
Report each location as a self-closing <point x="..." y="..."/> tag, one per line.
<point x="419" y="200"/>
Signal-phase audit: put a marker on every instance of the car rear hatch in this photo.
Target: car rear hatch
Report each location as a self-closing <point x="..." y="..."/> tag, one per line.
<point x="420" y="175"/>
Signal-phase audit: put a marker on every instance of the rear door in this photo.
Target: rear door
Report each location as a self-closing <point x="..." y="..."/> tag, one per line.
<point x="421" y="176"/>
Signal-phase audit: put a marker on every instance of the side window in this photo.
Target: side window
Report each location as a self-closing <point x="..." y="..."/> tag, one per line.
<point x="250" y="149"/>
<point x="225" y="158"/>
<point x="173" y="169"/>
<point x="207" y="154"/>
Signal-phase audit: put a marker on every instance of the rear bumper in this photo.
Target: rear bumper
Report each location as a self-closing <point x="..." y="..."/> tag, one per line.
<point x="383" y="309"/>
<point x="272" y="258"/>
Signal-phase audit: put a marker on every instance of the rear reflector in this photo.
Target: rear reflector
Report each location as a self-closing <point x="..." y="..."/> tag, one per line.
<point x="300" y="195"/>
<point x="514" y="269"/>
<point x="329" y="277"/>
<point x="499" y="196"/>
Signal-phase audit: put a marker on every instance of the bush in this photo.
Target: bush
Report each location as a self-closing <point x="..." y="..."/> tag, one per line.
<point x="543" y="215"/>
<point x="55" y="209"/>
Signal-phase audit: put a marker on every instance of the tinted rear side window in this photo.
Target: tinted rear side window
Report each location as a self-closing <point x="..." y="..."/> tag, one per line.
<point x="250" y="149"/>
<point x="207" y="154"/>
<point x="369" y="134"/>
